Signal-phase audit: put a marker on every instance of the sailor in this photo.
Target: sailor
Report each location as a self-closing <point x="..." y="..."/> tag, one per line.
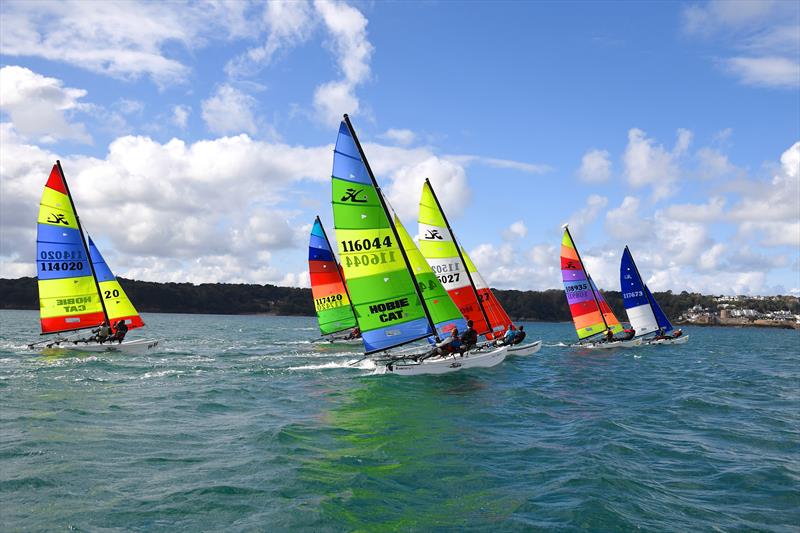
<point x="449" y="345"/>
<point x="101" y="334"/>
<point x="508" y="338"/>
<point x="120" y="330"/>
<point x="520" y="335"/>
<point x="470" y="337"/>
<point x="355" y="333"/>
<point x="629" y="334"/>
<point x="609" y="335"/>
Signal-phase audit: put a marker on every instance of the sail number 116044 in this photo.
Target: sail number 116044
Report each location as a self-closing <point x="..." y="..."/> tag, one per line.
<point x="360" y="245"/>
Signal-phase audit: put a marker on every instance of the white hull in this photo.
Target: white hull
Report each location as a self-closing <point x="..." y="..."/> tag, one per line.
<point x="683" y="339"/>
<point x="132" y="346"/>
<point x="337" y="340"/>
<point x="609" y="345"/>
<point x="477" y="359"/>
<point x="521" y="350"/>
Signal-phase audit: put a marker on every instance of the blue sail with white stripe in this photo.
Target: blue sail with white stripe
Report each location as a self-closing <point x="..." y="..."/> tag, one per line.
<point x="661" y="318"/>
<point x="636" y="297"/>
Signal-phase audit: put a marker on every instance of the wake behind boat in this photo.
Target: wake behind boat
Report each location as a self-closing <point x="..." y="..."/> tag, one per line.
<point x="77" y="290"/>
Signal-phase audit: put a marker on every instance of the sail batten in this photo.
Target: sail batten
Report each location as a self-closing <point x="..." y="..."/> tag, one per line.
<point x="331" y="300"/>
<point x="388" y="307"/>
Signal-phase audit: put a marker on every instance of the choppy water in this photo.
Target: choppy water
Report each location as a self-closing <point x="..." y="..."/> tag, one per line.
<point x="240" y="424"/>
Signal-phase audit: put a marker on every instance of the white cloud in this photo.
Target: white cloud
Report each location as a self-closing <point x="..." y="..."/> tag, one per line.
<point x="647" y="163"/>
<point x="595" y="166"/>
<point x="180" y="115"/>
<point x="230" y="111"/>
<point x="348" y="30"/>
<point x="763" y="37"/>
<point x="530" y="168"/>
<point x="517" y="230"/>
<point x="713" y="211"/>
<point x="713" y="164"/>
<point x="399" y="136"/>
<point x="40" y="106"/>
<point x="626" y="224"/>
<point x="120" y="39"/>
<point x="588" y="214"/>
<point x="448" y="179"/>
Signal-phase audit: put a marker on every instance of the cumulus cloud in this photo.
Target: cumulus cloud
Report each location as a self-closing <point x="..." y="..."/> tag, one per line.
<point x="180" y="115"/>
<point x="399" y="136"/>
<point x="587" y="214"/>
<point x="647" y="163"/>
<point x="595" y="166"/>
<point x="120" y="39"/>
<point x="229" y="110"/>
<point x="713" y="164"/>
<point x="517" y="230"/>
<point x="625" y="222"/>
<point x="763" y="38"/>
<point x="40" y="107"/>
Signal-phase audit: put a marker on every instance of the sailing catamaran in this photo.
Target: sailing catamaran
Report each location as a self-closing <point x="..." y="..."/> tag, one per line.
<point x="75" y="293"/>
<point x="458" y="274"/>
<point x="331" y="299"/>
<point x="388" y="299"/>
<point x="590" y="312"/>
<point x="644" y="312"/>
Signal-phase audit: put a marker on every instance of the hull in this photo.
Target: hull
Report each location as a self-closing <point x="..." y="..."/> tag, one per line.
<point x="133" y="346"/>
<point x="338" y="340"/>
<point x="609" y="345"/>
<point x="478" y="359"/>
<point x="683" y="339"/>
<point x="522" y="350"/>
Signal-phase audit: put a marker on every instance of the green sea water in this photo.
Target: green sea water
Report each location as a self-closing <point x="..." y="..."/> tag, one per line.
<point x="239" y="423"/>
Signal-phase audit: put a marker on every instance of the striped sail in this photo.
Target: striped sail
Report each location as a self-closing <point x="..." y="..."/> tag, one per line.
<point x="437" y="244"/>
<point x="497" y="315"/>
<point x="382" y="289"/>
<point x="443" y="310"/>
<point x="635" y="296"/>
<point x="118" y="306"/>
<point x="661" y="318"/>
<point x="581" y="298"/>
<point x="68" y="297"/>
<point x="608" y="315"/>
<point x="331" y="301"/>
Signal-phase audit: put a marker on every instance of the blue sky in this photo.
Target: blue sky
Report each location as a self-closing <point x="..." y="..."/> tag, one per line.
<point x="197" y="136"/>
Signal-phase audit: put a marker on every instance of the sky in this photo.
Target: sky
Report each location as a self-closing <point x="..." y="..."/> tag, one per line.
<point x="197" y="136"/>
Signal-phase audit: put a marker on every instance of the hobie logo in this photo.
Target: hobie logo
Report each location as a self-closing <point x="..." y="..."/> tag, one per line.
<point x="433" y="234"/>
<point x="57" y="218"/>
<point x="570" y="266"/>
<point x="352" y="196"/>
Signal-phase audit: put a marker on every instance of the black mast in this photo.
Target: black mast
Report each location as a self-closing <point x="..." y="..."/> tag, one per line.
<point x="391" y="224"/>
<point x="463" y="262"/>
<point x="588" y="277"/>
<point x="338" y="271"/>
<point x="83" y="240"/>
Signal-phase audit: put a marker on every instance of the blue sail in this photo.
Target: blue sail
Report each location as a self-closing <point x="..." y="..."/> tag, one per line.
<point x="661" y="318"/>
<point x="635" y="297"/>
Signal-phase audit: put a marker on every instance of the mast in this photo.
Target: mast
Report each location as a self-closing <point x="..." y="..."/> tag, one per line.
<point x="338" y="267"/>
<point x="83" y="240"/>
<point x="588" y="278"/>
<point x="461" y="257"/>
<point x="391" y="225"/>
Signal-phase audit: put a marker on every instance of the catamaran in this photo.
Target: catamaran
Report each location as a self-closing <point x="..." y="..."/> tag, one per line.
<point x="393" y="306"/>
<point x="77" y="290"/>
<point x="335" y="313"/>
<point x="644" y="313"/>
<point x="458" y="274"/>
<point x="591" y="313"/>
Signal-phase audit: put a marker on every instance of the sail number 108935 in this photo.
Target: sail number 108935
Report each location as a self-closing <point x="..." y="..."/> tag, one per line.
<point x="366" y="244"/>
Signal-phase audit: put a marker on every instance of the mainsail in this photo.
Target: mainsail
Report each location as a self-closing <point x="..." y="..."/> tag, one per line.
<point x="389" y="307"/>
<point x="444" y="312"/>
<point x="69" y="297"/>
<point x="643" y="311"/>
<point x="118" y="305"/>
<point x="585" y="301"/>
<point x="456" y="271"/>
<point x="331" y="301"/>
<point x="76" y="288"/>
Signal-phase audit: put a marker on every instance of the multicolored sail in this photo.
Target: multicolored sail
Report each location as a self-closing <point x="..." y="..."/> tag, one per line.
<point x="331" y="300"/>
<point x="582" y="300"/>
<point x="608" y="315"/>
<point x="382" y="289"/>
<point x="118" y="306"/>
<point x="68" y="293"/>
<point x="635" y="296"/>
<point x="463" y="283"/>
<point x="443" y="310"/>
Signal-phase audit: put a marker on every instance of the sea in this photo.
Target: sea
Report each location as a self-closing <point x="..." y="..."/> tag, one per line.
<point x="242" y="423"/>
